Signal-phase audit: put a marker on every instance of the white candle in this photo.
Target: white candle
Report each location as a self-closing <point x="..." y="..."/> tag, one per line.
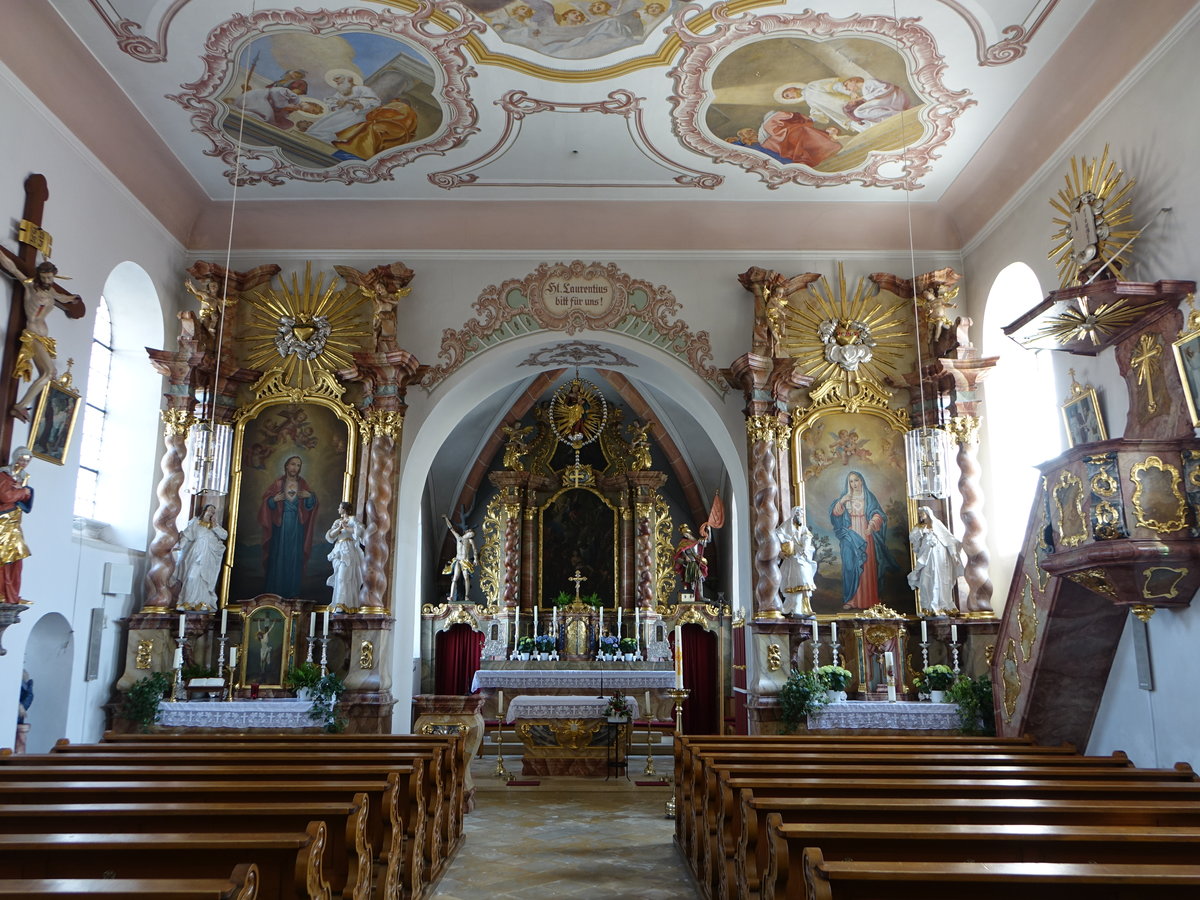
<point x="618" y="621"/>
<point x="325" y="616"/>
<point x="178" y="658"/>
<point x="816" y="632"/>
<point x="312" y="624"/>
<point x="891" y="675"/>
<point x="600" y="627"/>
<point x="646" y="712"/>
<point x="954" y="634"/>
<point x="516" y="626"/>
<point x="679" y="657"/>
<point x="637" y="626"/>
<point x="182" y="623"/>
<point x="554" y="621"/>
<point x="500" y="706"/>
<point x="537" y="618"/>
<point x="224" y="620"/>
<point x="233" y="657"/>
<point x="833" y="632"/>
<point x="924" y="633"/>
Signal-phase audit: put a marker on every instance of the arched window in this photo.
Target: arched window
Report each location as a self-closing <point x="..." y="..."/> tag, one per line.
<point x="95" y="413"/>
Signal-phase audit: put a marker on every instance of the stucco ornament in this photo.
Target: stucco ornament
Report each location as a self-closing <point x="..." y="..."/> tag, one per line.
<point x="848" y="342"/>
<point x="304" y="340"/>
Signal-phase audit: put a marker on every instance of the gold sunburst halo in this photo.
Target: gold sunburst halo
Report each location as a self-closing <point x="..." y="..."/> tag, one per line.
<point x="886" y="323"/>
<point x="299" y="311"/>
<point x="1092" y="206"/>
<point x="1080" y="323"/>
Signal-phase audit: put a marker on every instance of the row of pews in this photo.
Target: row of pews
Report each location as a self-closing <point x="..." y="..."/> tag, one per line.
<point x="182" y="816"/>
<point x="865" y="818"/>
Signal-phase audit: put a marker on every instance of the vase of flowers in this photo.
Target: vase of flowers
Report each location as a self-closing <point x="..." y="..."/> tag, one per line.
<point x="617" y="709"/>
<point x="608" y="646"/>
<point x="545" y="645"/>
<point x="835" y="679"/>
<point x="525" y="646"/>
<point x="937" y="680"/>
<point x="628" y="646"/>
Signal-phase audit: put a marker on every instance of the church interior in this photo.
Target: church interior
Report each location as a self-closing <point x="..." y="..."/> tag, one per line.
<point x="575" y="374"/>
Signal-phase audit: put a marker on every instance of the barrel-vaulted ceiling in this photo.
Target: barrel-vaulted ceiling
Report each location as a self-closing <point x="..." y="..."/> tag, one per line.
<point x="626" y="105"/>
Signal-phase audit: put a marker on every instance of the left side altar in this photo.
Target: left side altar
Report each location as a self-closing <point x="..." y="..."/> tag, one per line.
<point x="283" y="418"/>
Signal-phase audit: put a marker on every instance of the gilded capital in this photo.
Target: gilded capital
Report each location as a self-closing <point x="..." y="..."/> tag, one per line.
<point x="384" y="423"/>
<point x="766" y="428"/>
<point x="177" y="422"/>
<point x="964" y="429"/>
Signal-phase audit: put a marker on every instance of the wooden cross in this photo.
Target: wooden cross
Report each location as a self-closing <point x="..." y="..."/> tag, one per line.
<point x="579" y="579"/>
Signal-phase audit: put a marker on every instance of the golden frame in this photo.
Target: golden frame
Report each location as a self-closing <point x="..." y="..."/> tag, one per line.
<point x="1136" y="472"/>
<point x="247" y="414"/>
<point x="46" y="440"/>
<point x="1076" y="410"/>
<point x="250" y="636"/>
<point x="616" y="562"/>
<point x="1067" y="481"/>
<point x="1187" y="360"/>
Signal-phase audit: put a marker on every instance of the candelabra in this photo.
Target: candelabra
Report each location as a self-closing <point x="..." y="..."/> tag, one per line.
<point x="223" y="663"/>
<point x="312" y="639"/>
<point x="500" y="771"/>
<point x="924" y="645"/>
<point x="649" y="770"/>
<point x="677" y="695"/>
<point x="833" y="648"/>
<point x="324" y="654"/>
<point x="954" y="645"/>
<point x="177" y="692"/>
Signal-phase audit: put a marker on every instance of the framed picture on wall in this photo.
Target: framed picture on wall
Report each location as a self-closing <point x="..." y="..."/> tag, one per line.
<point x="1081" y="415"/>
<point x="1187" y="360"/>
<point x="53" y="423"/>
<point x="265" y="647"/>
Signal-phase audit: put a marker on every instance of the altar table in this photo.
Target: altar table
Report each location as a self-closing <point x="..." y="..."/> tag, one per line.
<point x="275" y="715"/>
<point x="884" y="716"/>
<point x="548" y="680"/>
<point x="569" y="735"/>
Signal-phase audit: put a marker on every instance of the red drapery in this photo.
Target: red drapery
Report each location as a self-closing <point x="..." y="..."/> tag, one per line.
<point x="701" y="710"/>
<point x="458" y="652"/>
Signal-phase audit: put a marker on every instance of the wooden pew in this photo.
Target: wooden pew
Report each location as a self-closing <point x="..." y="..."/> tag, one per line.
<point x="242" y="884"/>
<point x="349" y="853"/>
<point x="784" y="875"/>
<point x="995" y="881"/>
<point x="751" y="855"/>
<point x="288" y="864"/>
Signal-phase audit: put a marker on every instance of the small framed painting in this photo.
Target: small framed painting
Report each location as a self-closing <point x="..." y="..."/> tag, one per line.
<point x="53" y="423"/>
<point x="1187" y="360"/>
<point x="265" y="647"/>
<point x="1081" y="414"/>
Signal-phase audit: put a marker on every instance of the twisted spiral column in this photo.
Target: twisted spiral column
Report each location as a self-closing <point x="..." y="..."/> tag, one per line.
<point x="380" y="490"/>
<point x="645" y="560"/>
<point x="512" y="557"/>
<point x="965" y="430"/>
<point x="764" y="512"/>
<point x="162" y="561"/>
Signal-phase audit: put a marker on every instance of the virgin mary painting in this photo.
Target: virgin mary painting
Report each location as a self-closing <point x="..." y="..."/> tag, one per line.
<point x="860" y="526"/>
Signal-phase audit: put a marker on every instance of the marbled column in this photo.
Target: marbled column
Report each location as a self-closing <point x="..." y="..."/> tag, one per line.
<point x="385" y="427"/>
<point x="965" y="430"/>
<point x="764" y="500"/>
<point x="161" y="566"/>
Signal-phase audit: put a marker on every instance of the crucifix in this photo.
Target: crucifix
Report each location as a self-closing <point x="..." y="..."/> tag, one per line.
<point x="28" y="344"/>
<point x="579" y="579"/>
<point x="1145" y="359"/>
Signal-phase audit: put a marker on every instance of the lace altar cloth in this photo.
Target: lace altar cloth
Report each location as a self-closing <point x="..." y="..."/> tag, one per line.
<point x="533" y="707"/>
<point x="903" y="715"/>
<point x="238" y="714"/>
<point x="611" y="679"/>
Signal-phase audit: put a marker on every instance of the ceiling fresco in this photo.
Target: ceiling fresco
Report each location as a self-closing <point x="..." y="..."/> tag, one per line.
<point x="751" y="99"/>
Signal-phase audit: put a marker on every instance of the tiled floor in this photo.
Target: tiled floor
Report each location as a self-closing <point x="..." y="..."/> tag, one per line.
<point x="568" y="837"/>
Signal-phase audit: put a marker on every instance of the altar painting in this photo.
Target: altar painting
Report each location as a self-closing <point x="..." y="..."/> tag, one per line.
<point x="579" y="532"/>
<point x="855" y="495"/>
<point x="266" y="648"/>
<point x="822" y="104"/>
<point x="292" y="470"/>
<point x="325" y="99"/>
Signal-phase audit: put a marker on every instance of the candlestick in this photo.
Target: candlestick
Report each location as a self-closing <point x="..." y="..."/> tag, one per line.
<point x="500" y="771"/>
<point x="178" y="658"/>
<point x="325" y="616"/>
<point x="224" y="620"/>
<point x="637" y="628"/>
<point x="649" y="770"/>
<point x="833" y="632"/>
<point x="182" y="623"/>
<point x="954" y="634"/>
<point x="678" y="695"/>
<point x="678" y="657"/>
<point x="924" y="631"/>
<point x="312" y="624"/>
<point x="618" y="621"/>
<point x="554" y="621"/>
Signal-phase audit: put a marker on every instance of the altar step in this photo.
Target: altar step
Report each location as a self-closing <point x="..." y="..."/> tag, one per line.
<point x="493" y="734"/>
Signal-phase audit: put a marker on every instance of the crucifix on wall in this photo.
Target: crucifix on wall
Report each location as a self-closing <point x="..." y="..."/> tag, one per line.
<point x="28" y="345"/>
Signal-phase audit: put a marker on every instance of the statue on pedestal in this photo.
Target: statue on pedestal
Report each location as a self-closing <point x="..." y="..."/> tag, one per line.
<point x="201" y="551"/>
<point x="797" y="563"/>
<point x="16" y="499"/>
<point x="463" y="563"/>
<point x="938" y="564"/>
<point x="346" y="534"/>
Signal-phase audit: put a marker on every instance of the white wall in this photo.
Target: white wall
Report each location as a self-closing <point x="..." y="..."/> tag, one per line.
<point x="1150" y="140"/>
<point x="96" y="225"/>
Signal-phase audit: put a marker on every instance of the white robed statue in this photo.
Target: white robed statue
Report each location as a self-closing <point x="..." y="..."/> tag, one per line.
<point x="346" y="534"/>
<point x="201" y="551"/>
<point x="797" y="563"/>
<point x="938" y="564"/>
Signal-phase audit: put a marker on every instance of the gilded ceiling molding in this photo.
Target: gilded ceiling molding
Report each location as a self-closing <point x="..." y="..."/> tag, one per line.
<point x="1017" y="37"/>
<point x="895" y="166"/>
<point x="267" y="164"/>
<point x="574" y="297"/>
<point x="517" y="105"/>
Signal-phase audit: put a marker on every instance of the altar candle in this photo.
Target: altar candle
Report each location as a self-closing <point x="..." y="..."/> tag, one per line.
<point x="924" y="633"/>
<point x="554" y="621"/>
<point x="178" y="658"/>
<point x="182" y="623"/>
<point x="600" y="627"/>
<point x="637" y="626"/>
<point x="891" y="675"/>
<point x="537" y="618"/>
<point x="954" y="634"/>
<point x="224" y="620"/>
<point x="833" y="632"/>
<point x="646" y="711"/>
<point x="679" y="657"/>
<point x="325" y="616"/>
<point x="500" y="706"/>
<point x="312" y="624"/>
<point x="233" y="657"/>
<point x="618" y="620"/>
<point x="516" y="626"/>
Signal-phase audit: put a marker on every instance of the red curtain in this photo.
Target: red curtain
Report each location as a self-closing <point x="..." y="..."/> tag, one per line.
<point x="701" y="710"/>
<point x="458" y="651"/>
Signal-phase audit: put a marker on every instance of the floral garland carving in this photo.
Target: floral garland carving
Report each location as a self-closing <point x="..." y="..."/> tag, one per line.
<point x="514" y="301"/>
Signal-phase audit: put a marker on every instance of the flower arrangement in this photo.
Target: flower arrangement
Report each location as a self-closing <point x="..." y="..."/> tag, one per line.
<point x="835" y="678"/>
<point x="801" y="695"/>
<point x="628" y="645"/>
<point x="937" y="678"/>
<point x="609" y="643"/>
<point x="525" y="645"/>
<point x="618" y="706"/>
<point x="563" y="599"/>
<point x="544" y="643"/>
<point x="304" y="675"/>
<point x="592" y="600"/>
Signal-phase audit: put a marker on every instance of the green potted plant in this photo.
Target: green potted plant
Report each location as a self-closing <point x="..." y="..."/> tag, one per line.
<point x="937" y="679"/>
<point x="609" y="644"/>
<point x="525" y="646"/>
<point x="563" y="599"/>
<point x="801" y="695"/>
<point x="544" y="644"/>
<point x="326" y="694"/>
<point x="303" y="679"/>
<point x="628" y="646"/>
<point x="592" y="600"/>
<point x="976" y="709"/>
<point x="617" y="709"/>
<point x="141" y="703"/>
<point x="836" y="679"/>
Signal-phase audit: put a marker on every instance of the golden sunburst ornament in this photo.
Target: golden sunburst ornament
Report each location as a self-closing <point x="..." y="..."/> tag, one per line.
<point x="1082" y="323"/>
<point x="304" y="330"/>
<point x="857" y="334"/>
<point x="1092" y="206"/>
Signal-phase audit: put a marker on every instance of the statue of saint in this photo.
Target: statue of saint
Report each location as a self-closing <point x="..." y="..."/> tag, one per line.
<point x="16" y="499"/>
<point x="938" y="564"/>
<point x="463" y="563"/>
<point x="201" y="551"/>
<point x="346" y="534"/>
<point x="690" y="564"/>
<point x="797" y="563"/>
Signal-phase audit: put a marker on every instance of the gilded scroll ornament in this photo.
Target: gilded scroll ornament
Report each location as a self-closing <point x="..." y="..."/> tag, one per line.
<point x="964" y="429"/>
<point x="366" y="655"/>
<point x="1157" y="500"/>
<point x="388" y="423"/>
<point x="880" y="611"/>
<point x="1096" y="581"/>
<point x="774" y="658"/>
<point x="763" y="428"/>
<point x="1162" y="582"/>
<point x="1011" y="676"/>
<point x="445" y="728"/>
<point x="144" y="651"/>
<point x="1068" y="497"/>
<point x="177" y="422"/>
<point x="574" y="734"/>
<point x="491" y="550"/>
<point x="1027" y="621"/>
<point x="1102" y="482"/>
<point x="436" y="611"/>
<point x="693" y="616"/>
<point x="1143" y="611"/>
<point x="1106" y="521"/>
<point x="664" y="550"/>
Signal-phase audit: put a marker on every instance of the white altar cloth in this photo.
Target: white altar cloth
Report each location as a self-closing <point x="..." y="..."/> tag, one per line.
<point x="531" y="706"/>
<point x="284" y="713"/>
<point x="903" y="715"/>
<point x="611" y="679"/>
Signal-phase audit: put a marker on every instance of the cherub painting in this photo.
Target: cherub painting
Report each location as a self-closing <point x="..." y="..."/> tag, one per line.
<point x="578" y="29"/>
